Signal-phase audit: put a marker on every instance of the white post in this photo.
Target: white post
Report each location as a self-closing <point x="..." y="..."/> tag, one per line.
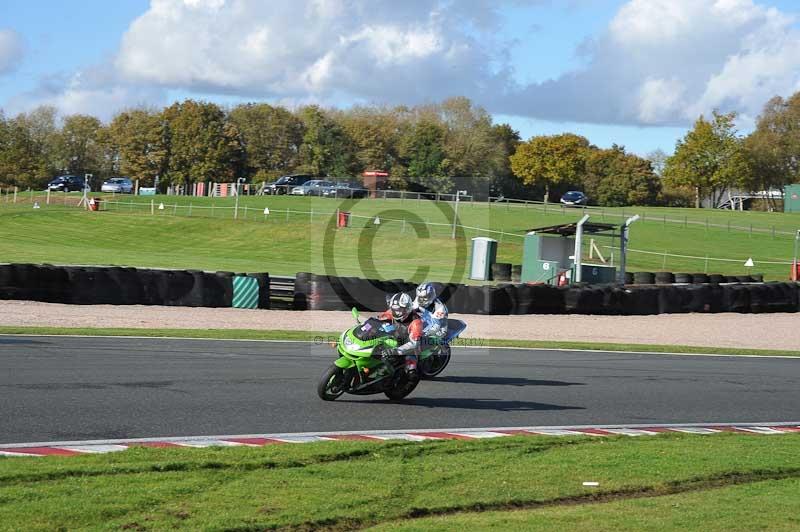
<point x="455" y="215"/>
<point x="152" y="207"/>
<point x="15" y="194"/>
<point x="623" y="248"/>
<point x="48" y="195"/>
<point x="578" y="243"/>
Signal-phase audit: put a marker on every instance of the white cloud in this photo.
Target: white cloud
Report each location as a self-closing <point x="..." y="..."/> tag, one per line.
<point x="664" y="62"/>
<point x="94" y="91"/>
<point x="375" y="50"/>
<point x="11" y="50"/>
<point x="658" y="62"/>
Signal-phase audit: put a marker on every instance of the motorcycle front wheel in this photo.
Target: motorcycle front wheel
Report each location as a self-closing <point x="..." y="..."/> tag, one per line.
<point x="402" y="388"/>
<point x="332" y="384"/>
<point x="435" y="364"/>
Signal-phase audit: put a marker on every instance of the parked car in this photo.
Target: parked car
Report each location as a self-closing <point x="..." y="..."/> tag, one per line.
<point x="573" y="198"/>
<point x="66" y="183"/>
<point x="343" y="189"/>
<point x="284" y="184"/>
<point x="117" y="185"/>
<point x="312" y="188"/>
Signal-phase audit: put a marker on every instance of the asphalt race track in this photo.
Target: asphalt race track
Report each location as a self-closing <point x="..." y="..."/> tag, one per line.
<point x="70" y="388"/>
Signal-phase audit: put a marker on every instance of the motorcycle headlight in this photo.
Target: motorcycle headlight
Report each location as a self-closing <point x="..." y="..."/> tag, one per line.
<point x="347" y="341"/>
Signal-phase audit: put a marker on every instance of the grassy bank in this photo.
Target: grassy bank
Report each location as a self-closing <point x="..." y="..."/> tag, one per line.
<point x="416" y="486"/>
<point x="298" y="235"/>
<point x="322" y="337"/>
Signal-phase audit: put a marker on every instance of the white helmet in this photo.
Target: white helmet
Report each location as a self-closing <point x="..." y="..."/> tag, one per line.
<point x="426" y="294"/>
<point x="401" y="306"/>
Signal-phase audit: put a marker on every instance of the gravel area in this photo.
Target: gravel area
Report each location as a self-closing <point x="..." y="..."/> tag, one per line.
<point x="757" y="331"/>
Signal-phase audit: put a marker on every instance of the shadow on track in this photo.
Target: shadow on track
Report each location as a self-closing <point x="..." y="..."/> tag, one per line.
<point x="503" y="381"/>
<point x="498" y="405"/>
<point x="20" y="341"/>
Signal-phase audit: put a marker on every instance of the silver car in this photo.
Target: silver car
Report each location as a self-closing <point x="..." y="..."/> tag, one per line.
<point x="312" y="188"/>
<point x="118" y="185"/>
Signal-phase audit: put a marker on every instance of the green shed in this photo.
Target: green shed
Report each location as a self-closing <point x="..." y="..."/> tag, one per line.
<point x="791" y="198"/>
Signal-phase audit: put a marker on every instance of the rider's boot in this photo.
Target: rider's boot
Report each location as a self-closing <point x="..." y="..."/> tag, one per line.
<point x="411" y="366"/>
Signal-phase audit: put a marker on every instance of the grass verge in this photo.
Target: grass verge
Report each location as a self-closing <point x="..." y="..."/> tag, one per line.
<point x="325" y="337"/>
<point x="346" y="485"/>
<point x="299" y="235"/>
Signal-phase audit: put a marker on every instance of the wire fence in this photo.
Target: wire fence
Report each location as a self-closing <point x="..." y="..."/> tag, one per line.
<point x="157" y="207"/>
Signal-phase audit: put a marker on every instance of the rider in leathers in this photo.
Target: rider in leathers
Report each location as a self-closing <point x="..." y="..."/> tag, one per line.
<point x="432" y="312"/>
<point x="401" y="310"/>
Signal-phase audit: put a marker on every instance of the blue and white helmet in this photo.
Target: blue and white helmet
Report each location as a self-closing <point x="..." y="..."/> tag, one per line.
<point x="426" y="294"/>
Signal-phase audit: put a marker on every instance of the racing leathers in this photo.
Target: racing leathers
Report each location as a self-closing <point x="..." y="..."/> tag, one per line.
<point x="412" y="333"/>
<point x="434" y="320"/>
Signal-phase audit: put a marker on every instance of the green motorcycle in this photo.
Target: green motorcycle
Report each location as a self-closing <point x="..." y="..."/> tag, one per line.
<point x="366" y="365"/>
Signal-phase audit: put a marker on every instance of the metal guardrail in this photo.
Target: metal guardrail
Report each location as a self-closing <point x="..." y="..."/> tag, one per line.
<point x="281" y="292"/>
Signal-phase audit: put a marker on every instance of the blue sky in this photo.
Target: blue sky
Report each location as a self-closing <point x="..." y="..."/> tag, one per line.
<point x="630" y="72"/>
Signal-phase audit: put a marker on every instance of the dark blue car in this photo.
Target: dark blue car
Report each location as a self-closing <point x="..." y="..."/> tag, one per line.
<point x="574" y="197"/>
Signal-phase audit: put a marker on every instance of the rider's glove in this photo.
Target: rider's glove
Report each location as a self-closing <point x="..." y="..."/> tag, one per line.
<point x="388" y="354"/>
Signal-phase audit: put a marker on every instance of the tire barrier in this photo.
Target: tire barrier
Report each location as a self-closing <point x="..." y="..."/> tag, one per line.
<point x="501" y="271"/>
<point x="263" y="289"/>
<point x="628" y="278"/>
<point x="643" y="278"/>
<point x="586" y="300"/>
<point x="516" y="273"/>
<point x="300" y="299"/>
<point x="673" y="300"/>
<point x="641" y="301"/>
<point x="736" y="298"/>
<point x="683" y="278"/>
<point x="539" y="299"/>
<point x="132" y="286"/>
<point x="665" y="278"/>
<point x="116" y="285"/>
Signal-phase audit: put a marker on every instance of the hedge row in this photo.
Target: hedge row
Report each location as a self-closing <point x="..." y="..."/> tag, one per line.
<point x="122" y="286"/>
<point x="320" y="292"/>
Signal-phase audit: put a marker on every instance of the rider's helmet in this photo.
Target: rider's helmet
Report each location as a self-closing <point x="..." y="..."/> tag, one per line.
<point x="426" y="294"/>
<point x="401" y="306"/>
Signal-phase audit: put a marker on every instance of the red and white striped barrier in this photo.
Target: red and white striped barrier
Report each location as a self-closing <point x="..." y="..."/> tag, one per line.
<point x="258" y="440"/>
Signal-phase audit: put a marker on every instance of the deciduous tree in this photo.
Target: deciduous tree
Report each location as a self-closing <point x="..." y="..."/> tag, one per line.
<point x="709" y="158"/>
<point x="139" y="138"/>
<point x="550" y="160"/>
<point x="203" y="146"/>
<point x="271" y="138"/>
<point x="616" y="178"/>
<point x="326" y="149"/>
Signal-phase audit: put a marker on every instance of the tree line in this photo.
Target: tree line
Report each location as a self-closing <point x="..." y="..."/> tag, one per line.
<point x="709" y="160"/>
<point x="436" y="147"/>
<point x="430" y="147"/>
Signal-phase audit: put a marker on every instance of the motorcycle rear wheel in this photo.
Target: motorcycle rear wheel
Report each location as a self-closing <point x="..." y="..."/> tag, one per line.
<point x="332" y="384"/>
<point x="435" y="364"/>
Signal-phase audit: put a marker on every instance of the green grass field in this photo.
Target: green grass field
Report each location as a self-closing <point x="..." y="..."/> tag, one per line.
<point x="666" y="482"/>
<point x="298" y="234"/>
